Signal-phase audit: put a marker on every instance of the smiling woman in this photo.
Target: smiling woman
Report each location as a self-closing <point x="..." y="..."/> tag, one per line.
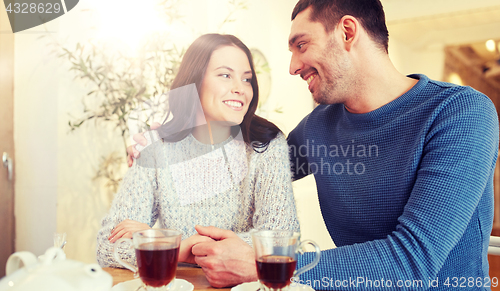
<point x="220" y="165"/>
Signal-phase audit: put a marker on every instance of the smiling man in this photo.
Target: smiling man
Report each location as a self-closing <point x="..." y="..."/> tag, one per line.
<point x="416" y="213"/>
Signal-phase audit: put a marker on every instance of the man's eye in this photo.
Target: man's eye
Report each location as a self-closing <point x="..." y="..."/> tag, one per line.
<point x="300" y="45"/>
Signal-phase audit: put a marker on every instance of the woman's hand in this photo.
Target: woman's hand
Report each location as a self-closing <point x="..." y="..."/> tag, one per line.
<point x="125" y="229"/>
<point x="185" y="254"/>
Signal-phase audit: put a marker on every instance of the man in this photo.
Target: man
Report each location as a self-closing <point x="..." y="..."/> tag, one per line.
<point x="403" y="165"/>
<point x="405" y="184"/>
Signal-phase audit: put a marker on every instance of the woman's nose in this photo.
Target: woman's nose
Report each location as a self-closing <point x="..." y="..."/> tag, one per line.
<point x="237" y="87"/>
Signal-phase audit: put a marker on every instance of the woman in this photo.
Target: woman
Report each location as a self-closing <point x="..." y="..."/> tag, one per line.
<point x="224" y="167"/>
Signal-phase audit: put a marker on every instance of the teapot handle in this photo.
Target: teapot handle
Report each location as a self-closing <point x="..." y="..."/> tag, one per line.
<point x="18" y="260"/>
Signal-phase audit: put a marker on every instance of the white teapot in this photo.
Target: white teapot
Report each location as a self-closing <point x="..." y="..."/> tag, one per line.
<point x="52" y="271"/>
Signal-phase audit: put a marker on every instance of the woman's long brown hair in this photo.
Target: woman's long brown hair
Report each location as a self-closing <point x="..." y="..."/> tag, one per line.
<point x="256" y="131"/>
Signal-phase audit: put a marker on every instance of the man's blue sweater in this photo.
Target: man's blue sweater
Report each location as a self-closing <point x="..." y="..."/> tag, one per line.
<point x="406" y="191"/>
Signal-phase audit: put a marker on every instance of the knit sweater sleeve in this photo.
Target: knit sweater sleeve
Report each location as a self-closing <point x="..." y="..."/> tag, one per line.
<point x="274" y="200"/>
<point x="456" y="166"/>
<point x="135" y="201"/>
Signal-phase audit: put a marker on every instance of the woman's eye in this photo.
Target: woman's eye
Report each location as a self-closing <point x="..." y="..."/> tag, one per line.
<point x="224" y="75"/>
<point x="249" y="80"/>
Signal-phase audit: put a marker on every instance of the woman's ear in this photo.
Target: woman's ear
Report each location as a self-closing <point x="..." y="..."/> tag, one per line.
<point x="349" y="26"/>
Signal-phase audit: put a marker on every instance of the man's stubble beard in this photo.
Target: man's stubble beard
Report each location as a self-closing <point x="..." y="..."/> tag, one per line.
<point x="332" y="90"/>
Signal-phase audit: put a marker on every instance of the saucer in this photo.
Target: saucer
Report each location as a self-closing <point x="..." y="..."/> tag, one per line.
<point x="132" y="285"/>
<point x="252" y="286"/>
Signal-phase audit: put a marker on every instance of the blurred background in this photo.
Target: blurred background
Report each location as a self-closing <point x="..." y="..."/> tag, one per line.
<point x="68" y="87"/>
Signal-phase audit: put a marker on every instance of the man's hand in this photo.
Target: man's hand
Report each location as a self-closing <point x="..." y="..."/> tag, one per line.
<point x="227" y="261"/>
<point x="139" y="138"/>
<point x="125" y="229"/>
<point x="185" y="254"/>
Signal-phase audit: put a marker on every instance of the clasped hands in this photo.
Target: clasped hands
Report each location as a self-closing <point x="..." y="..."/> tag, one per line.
<point x="224" y="257"/>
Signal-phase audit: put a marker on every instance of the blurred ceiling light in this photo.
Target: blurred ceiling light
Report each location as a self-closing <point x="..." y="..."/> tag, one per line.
<point x="128" y="22"/>
<point x="455" y="79"/>
<point x="491" y="45"/>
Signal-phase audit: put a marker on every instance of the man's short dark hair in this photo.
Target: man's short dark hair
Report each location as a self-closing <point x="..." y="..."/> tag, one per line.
<point x="369" y="13"/>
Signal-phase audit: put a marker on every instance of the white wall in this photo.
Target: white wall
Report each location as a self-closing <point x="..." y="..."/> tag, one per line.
<point x="36" y="138"/>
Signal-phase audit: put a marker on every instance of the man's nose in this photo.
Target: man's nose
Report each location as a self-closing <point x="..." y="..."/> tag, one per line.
<point x="295" y="65"/>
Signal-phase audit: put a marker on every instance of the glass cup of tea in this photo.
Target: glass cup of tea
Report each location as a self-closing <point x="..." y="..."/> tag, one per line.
<point x="276" y="257"/>
<point x="157" y="253"/>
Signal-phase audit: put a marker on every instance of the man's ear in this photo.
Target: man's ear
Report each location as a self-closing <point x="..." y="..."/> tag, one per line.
<point x="349" y="27"/>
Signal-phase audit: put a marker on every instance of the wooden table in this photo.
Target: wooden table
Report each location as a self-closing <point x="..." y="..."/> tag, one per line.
<point x="191" y="274"/>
